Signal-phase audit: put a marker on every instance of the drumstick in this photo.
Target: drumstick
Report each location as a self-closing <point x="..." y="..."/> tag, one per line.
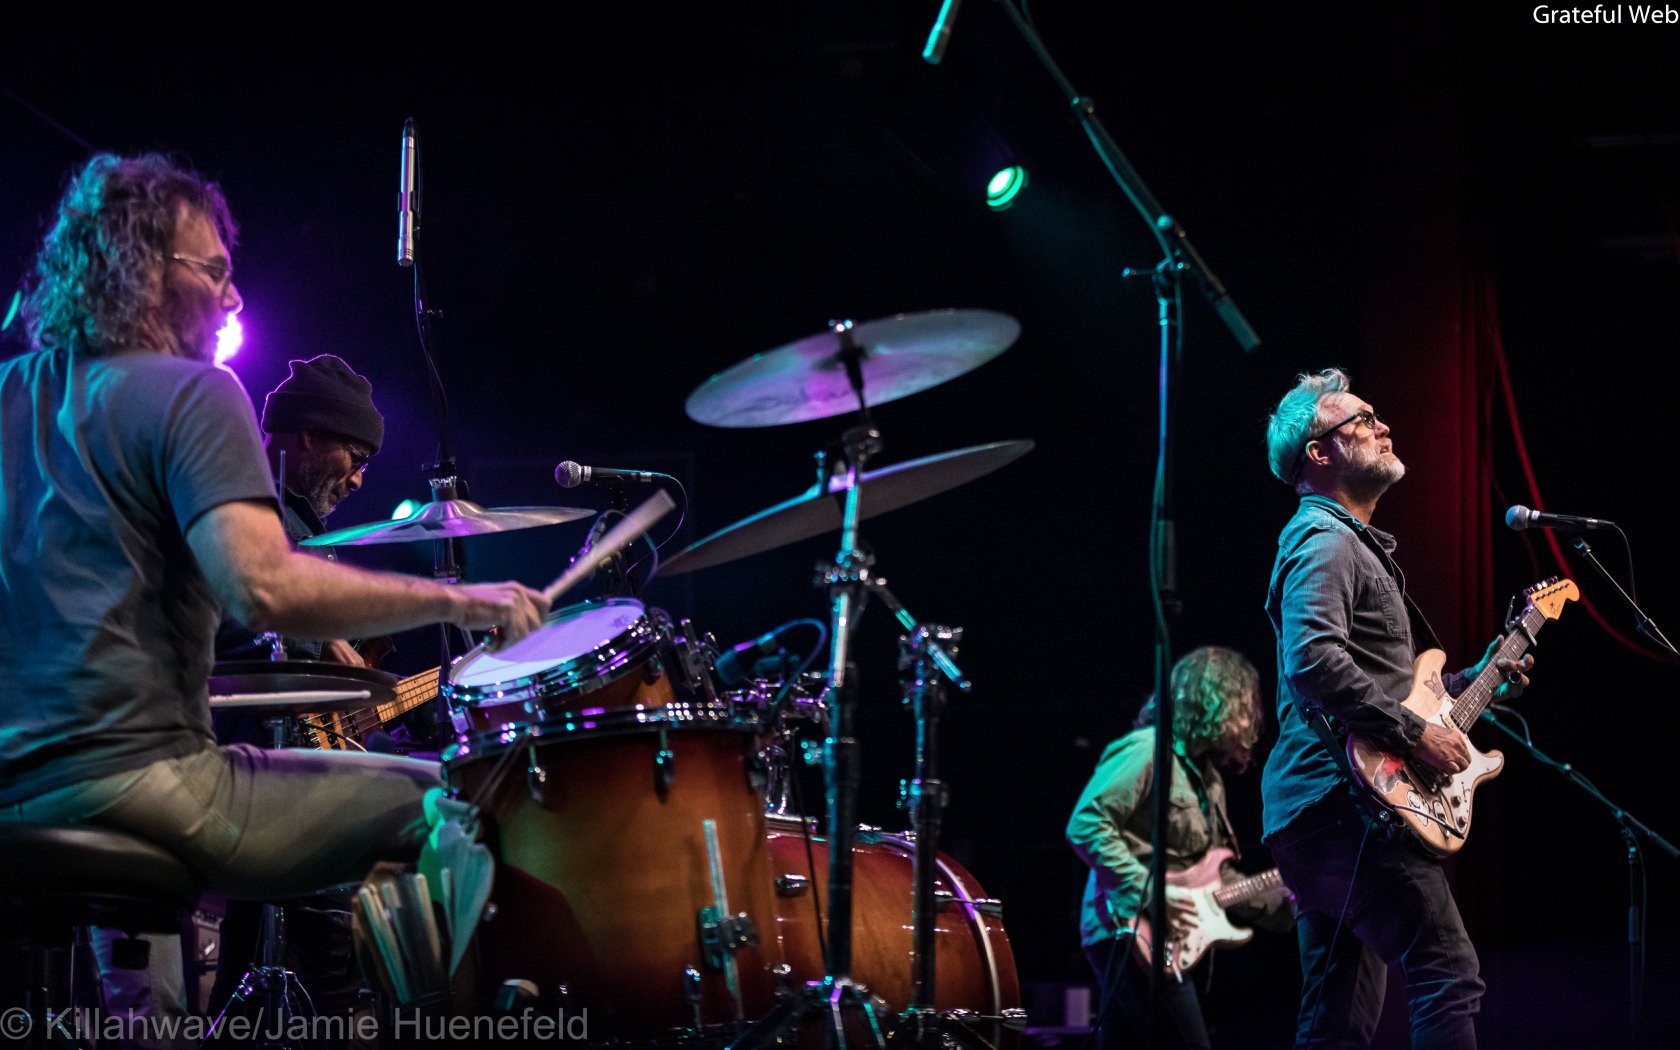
<point x="634" y="524"/>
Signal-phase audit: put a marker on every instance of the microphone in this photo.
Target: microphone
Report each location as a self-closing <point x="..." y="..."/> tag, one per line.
<point x="408" y="199"/>
<point x="1520" y="517"/>
<point x="940" y="35"/>
<point x="735" y="666"/>
<point x="570" y="475"/>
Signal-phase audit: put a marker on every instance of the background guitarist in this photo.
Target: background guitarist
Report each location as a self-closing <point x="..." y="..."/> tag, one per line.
<point x="1216" y="721"/>
<point x="1345" y="648"/>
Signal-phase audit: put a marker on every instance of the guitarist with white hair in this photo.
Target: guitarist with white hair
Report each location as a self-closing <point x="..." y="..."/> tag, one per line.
<point x="1217" y="719"/>
<point x="1346" y="654"/>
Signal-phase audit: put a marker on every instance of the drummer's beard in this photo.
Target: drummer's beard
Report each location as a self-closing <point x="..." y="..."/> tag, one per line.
<point x="318" y="484"/>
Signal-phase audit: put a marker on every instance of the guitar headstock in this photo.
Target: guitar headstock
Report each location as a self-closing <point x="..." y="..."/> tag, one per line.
<point x="1550" y="595"/>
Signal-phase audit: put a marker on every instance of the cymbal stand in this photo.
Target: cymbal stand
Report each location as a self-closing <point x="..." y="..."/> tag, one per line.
<point x="847" y="582"/>
<point x="268" y="977"/>
<point x="926" y="652"/>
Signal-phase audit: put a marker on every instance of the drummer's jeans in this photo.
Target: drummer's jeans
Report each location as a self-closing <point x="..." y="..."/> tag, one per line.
<point x="1366" y="901"/>
<point x="259" y="824"/>
<point x="252" y="824"/>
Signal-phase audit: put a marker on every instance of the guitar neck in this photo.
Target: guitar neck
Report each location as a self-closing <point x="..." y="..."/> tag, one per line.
<point x="1247" y="889"/>
<point x="1469" y="705"/>
<point x="411" y="693"/>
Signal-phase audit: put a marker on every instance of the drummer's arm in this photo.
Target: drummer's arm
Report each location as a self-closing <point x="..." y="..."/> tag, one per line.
<point x="268" y="586"/>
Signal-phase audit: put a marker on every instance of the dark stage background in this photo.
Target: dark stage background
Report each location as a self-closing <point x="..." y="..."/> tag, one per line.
<point x="621" y="200"/>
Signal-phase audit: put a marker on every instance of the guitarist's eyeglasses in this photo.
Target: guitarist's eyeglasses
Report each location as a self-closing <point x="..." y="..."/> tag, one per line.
<point x="1362" y="418"/>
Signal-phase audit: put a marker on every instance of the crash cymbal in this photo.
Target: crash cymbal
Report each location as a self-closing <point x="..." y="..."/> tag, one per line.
<point x="815" y="513"/>
<point x="448" y="519"/>
<point x="239" y="684"/>
<point x="901" y="355"/>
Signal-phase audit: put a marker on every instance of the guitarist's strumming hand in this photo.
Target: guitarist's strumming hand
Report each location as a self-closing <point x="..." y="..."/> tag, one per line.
<point x="1442" y="748"/>
<point x="1181" y="909"/>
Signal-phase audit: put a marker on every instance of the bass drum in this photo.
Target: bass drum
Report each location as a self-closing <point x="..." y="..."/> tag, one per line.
<point x="974" y="968"/>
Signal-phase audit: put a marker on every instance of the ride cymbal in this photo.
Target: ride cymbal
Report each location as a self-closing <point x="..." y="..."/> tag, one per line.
<point x="448" y="519"/>
<point x="898" y="356"/>
<point x="815" y="513"/>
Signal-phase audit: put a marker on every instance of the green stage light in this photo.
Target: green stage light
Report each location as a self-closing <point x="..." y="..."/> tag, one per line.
<point x="1005" y="186"/>
<point x="404" y="509"/>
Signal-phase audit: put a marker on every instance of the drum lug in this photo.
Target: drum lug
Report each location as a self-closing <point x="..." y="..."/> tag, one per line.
<point x="664" y="763"/>
<point x="791" y="885"/>
<point x="697" y="655"/>
<point x="984" y="905"/>
<point x="785" y="987"/>
<point x="535" y="776"/>
<point x="721" y="936"/>
<point x="692" y="995"/>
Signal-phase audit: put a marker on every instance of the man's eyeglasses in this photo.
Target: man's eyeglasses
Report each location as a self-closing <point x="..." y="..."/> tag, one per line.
<point x="1362" y="418"/>
<point x="220" y="273"/>
<point x="358" y="452"/>
<point x="359" y="456"/>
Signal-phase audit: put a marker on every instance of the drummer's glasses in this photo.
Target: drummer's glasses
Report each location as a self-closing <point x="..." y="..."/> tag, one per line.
<point x="220" y="273"/>
<point x="359" y="453"/>
<point x="1363" y="418"/>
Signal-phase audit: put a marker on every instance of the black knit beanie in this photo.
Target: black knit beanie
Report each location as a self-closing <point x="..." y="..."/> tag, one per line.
<point x="323" y="393"/>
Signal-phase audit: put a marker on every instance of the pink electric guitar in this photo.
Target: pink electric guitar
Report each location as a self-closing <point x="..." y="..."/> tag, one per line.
<point x="1435" y="806"/>
<point x="1210" y="927"/>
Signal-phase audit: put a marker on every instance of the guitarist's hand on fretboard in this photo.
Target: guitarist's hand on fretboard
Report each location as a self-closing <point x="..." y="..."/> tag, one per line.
<point x="339" y="651"/>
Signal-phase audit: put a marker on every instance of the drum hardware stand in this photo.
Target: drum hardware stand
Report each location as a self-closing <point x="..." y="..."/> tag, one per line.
<point x="268" y="977"/>
<point x="847" y="581"/>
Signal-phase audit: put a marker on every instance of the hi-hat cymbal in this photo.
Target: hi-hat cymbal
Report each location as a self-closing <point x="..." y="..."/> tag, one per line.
<point x="448" y="519"/>
<point x="901" y="355"/>
<point x="815" y="513"/>
<point x="357" y="687"/>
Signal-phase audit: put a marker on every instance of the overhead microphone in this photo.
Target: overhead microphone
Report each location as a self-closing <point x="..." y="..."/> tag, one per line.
<point x="408" y="197"/>
<point x="1520" y="517"/>
<point x="570" y="474"/>
<point x="940" y="34"/>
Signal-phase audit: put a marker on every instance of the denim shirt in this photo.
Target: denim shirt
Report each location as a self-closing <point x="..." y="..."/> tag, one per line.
<point x="1344" y="644"/>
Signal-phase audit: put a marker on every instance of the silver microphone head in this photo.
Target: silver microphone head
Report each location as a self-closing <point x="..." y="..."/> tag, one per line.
<point x="570" y="474"/>
<point x="1518" y="517"/>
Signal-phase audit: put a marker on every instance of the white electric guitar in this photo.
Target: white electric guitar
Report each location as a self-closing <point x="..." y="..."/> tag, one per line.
<point x="1210" y="927"/>
<point x="1435" y="806"/>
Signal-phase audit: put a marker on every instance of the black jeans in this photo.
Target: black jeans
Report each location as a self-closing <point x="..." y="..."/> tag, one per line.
<point x="1123" y="1002"/>
<point x="1398" y="908"/>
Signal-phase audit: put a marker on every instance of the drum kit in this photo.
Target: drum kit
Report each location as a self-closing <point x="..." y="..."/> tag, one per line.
<point x="647" y="870"/>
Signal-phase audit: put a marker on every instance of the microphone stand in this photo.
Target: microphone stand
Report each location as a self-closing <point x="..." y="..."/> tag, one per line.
<point x="1633" y="830"/>
<point x="449" y="553"/>
<point x="1641" y="623"/>
<point x="1179" y="257"/>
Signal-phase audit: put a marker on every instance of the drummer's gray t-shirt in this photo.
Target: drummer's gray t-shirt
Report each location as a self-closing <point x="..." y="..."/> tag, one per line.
<point x="106" y="619"/>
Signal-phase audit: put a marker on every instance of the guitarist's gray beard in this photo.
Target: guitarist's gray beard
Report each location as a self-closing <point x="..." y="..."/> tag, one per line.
<point x="1368" y="474"/>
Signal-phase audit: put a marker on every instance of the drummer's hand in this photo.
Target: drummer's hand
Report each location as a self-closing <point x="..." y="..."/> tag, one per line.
<point x="514" y="609"/>
<point x="339" y="651"/>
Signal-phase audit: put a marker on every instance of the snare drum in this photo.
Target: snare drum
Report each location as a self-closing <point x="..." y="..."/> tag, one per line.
<point x="974" y="968"/>
<point x="607" y="876"/>
<point x="585" y="659"/>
